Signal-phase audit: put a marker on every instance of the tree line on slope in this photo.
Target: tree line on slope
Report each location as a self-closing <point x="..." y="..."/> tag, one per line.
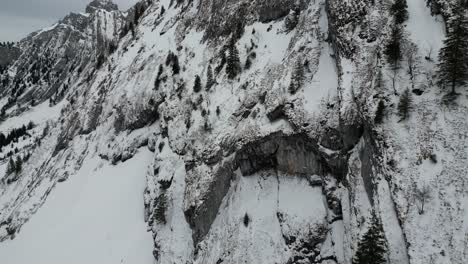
<point x="14" y="135"/>
<point x="6" y="44"/>
<point x="452" y="68"/>
<point x="372" y="248"/>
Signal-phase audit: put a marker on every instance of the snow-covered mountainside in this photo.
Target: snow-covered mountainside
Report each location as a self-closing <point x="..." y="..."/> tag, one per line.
<point x="232" y="131"/>
<point x="54" y="58"/>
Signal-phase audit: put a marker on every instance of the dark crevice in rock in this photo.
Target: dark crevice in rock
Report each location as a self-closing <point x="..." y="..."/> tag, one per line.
<point x="336" y="219"/>
<point x="166" y="184"/>
<point x="296" y="154"/>
<point x="276" y="114"/>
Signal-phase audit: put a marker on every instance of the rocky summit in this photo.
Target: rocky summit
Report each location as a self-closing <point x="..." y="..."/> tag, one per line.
<point x="238" y="131"/>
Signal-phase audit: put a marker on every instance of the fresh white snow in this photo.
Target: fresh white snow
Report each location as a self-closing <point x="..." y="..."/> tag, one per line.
<point x="325" y="82"/>
<point x="425" y="30"/>
<point x="94" y="217"/>
<point x="262" y="197"/>
<point x="38" y="114"/>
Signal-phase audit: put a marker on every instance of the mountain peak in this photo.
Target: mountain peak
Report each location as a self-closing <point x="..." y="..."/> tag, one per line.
<point x="107" y="5"/>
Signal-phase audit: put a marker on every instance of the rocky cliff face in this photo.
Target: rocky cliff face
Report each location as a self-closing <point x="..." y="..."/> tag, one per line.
<point x="246" y="169"/>
<point x="97" y="5"/>
<point x="52" y="59"/>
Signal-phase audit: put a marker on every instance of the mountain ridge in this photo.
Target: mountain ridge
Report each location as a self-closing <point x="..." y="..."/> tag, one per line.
<point x="274" y="156"/>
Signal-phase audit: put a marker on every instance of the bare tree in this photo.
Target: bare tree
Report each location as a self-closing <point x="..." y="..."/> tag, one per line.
<point x="394" y="78"/>
<point x="423" y="195"/>
<point x="410" y="54"/>
<point x="430" y="50"/>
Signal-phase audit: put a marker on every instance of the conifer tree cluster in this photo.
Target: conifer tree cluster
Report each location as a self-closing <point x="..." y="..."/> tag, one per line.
<point x="393" y="47"/>
<point x="11" y="167"/>
<point x="14" y="166"/>
<point x="7" y="45"/>
<point x="372" y="248"/>
<point x="173" y="60"/>
<point x="233" y="67"/>
<point x="399" y="12"/>
<point x="453" y="57"/>
<point x="15" y="134"/>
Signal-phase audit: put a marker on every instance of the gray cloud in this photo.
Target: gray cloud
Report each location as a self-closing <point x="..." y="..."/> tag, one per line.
<point x="18" y="18"/>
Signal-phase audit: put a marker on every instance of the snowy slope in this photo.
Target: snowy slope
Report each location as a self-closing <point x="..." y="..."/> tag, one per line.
<point x="96" y="217"/>
<point x="306" y="169"/>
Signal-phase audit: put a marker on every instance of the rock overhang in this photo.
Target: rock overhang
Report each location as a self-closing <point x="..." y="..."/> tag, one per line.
<point x="295" y="154"/>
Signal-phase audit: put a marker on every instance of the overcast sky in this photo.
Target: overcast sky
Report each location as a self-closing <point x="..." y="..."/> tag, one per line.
<point x="18" y="18"/>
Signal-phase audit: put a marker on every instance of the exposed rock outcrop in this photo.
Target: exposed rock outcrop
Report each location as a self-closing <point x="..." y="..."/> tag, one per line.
<point x="53" y="59"/>
<point x="295" y="154"/>
<point x="231" y="16"/>
<point x="107" y="5"/>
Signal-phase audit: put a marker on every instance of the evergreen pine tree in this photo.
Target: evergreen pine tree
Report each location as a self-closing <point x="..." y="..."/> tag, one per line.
<point x="157" y="82"/>
<point x="209" y="78"/>
<point x="404" y="105"/>
<point x="3" y="141"/>
<point x="160" y="212"/>
<point x="160" y="70"/>
<point x="393" y="47"/>
<point x="297" y="77"/>
<point x="197" y="85"/>
<point x="246" y="220"/>
<point x="233" y="62"/>
<point x="30" y="125"/>
<point x="18" y="165"/>
<point x="453" y="57"/>
<point x="169" y="58"/>
<point x="399" y="12"/>
<point x="372" y="247"/>
<point x="131" y="27"/>
<point x="11" y="167"/>
<point x="175" y="65"/>
<point x="379" y="114"/>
